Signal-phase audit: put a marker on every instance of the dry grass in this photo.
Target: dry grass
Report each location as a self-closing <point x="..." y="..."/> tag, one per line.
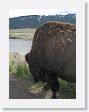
<point x="18" y="66"/>
<point x="25" y="33"/>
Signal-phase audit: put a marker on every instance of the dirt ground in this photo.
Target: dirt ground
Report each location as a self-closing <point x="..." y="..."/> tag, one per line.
<point x="28" y="89"/>
<point x="24" y="89"/>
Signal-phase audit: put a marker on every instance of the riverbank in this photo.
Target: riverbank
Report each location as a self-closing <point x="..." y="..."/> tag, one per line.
<point x="24" y="33"/>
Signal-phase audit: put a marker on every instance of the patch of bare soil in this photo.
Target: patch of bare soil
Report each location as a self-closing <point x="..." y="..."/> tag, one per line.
<point x="27" y="89"/>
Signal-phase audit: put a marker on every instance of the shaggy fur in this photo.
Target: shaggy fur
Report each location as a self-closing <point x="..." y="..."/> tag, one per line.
<point x="53" y="54"/>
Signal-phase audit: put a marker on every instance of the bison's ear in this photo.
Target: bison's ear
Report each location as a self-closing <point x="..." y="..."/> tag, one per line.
<point x="27" y="57"/>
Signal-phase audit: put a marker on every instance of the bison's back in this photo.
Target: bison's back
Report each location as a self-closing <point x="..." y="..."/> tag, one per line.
<point x="54" y="49"/>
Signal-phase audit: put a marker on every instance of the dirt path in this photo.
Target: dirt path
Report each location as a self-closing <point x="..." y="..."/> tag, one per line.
<point x="28" y="89"/>
<point x="21" y="89"/>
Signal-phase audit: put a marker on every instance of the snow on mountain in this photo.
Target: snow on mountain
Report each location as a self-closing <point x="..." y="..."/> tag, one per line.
<point x="34" y="21"/>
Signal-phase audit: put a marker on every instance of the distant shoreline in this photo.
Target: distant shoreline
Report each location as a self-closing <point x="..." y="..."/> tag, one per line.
<point x="20" y="38"/>
<point x="25" y="33"/>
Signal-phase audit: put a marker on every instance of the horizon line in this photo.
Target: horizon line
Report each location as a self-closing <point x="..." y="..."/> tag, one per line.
<point x="43" y="15"/>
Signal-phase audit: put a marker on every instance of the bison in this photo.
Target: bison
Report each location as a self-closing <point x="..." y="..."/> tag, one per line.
<point x="53" y="54"/>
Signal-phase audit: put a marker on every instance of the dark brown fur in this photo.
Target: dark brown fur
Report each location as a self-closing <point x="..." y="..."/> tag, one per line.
<point x="53" y="53"/>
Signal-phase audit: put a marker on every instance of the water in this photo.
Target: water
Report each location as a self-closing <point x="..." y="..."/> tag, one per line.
<point x="19" y="45"/>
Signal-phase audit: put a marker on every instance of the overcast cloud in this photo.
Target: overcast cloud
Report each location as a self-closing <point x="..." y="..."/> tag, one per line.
<point x="24" y="12"/>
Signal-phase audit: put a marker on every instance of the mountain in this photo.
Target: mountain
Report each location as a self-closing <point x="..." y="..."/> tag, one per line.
<point x="34" y="21"/>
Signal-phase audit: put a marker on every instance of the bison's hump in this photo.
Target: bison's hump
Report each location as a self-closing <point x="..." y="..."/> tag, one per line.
<point x="60" y="25"/>
<point x="62" y="34"/>
<point x="56" y="28"/>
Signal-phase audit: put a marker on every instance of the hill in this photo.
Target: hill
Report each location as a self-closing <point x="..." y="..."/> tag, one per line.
<point x="34" y="21"/>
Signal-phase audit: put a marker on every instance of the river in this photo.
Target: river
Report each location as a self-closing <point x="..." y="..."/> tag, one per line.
<point x="19" y="45"/>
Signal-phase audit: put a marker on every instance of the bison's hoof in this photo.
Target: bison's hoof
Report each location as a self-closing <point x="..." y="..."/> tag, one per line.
<point x="55" y="95"/>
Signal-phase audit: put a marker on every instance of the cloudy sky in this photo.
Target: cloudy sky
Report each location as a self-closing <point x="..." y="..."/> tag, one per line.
<point x="23" y="12"/>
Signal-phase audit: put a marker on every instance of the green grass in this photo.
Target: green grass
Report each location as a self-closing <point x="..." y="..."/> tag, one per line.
<point x="67" y="90"/>
<point x="24" y="33"/>
<point x="12" y="67"/>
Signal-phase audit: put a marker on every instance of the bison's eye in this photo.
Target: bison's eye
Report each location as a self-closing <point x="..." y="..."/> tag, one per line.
<point x="59" y="27"/>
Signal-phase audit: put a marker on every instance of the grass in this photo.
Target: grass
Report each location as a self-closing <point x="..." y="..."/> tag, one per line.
<point x="67" y="90"/>
<point x="18" y="66"/>
<point x="36" y="88"/>
<point x="24" y="33"/>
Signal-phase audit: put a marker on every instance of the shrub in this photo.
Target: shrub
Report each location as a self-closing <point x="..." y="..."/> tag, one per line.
<point x="22" y="71"/>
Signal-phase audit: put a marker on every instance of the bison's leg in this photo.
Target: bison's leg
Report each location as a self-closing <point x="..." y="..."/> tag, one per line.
<point x="46" y="87"/>
<point x="52" y="81"/>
